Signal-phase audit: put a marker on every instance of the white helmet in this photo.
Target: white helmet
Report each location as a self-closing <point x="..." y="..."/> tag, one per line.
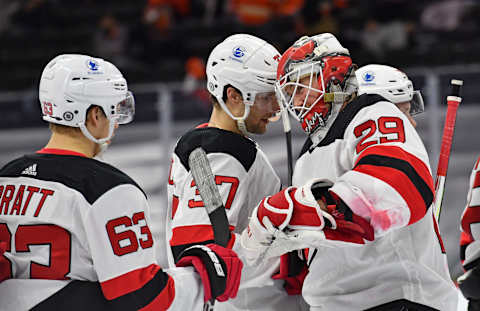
<point x="72" y="83"/>
<point x="390" y="83"/>
<point x="245" y="62"/>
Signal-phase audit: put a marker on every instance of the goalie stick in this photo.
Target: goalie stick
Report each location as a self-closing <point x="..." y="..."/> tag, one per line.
<point x="205" y="181"/>
<point x="453" y="101"/>
<point x="287" y="129"/>
<point x="294" y="261"/>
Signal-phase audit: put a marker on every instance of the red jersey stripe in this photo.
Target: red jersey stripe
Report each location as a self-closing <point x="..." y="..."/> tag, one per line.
<point x="470" y="216"/>
<point x="465" y="238"/>
<point x="477" y="163"/>
<point x="60" y="152"/>
<point x="174" y="205"/>
<point x="402" y="184"/>
<point x="396" y="152"/>
<point x="195" y="234"/>
<point x="476" y="181"/>
<point x="164" y="300"/>
<point x="128" y="282"/>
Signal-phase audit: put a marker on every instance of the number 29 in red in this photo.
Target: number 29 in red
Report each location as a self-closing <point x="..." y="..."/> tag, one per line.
<point x="391" y="127"/>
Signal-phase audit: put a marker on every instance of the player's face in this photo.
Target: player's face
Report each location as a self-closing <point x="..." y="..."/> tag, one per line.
<point x="264" y="108"/>
<point x="303" y="91"/>
<point x="405" y="108"/>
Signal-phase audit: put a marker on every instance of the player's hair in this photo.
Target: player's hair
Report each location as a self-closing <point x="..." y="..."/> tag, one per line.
<point x="63" y="129"/>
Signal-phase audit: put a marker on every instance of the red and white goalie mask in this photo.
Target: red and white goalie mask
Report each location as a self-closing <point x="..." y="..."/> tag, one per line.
<point x="314" y="76"/>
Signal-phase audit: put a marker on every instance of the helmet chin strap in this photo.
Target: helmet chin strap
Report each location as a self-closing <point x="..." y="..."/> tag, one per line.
<point x="242" y="127"/>
<point x="101" y="152"/>
<point x="102" y="142"/>
<point x="241" y="120"/>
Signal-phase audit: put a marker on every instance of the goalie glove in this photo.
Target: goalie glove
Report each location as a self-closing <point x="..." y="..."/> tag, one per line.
<point x="312" y="207"/>
<point x="295" y="209"/>
<point x="219" y="268"/>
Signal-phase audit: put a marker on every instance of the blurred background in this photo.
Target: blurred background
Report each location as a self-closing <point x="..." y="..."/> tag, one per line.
<point x="161" y="46"/>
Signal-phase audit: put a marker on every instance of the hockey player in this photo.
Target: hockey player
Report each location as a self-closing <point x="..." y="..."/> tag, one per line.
<point x="469" y="282"/>
<point x="67" y="218"/>
<point x="241" y="73"/>
<point x="362" y="189"/>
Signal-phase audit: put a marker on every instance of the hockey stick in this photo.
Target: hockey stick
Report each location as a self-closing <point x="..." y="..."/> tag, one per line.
<point x="287" y="129"/>
<point x="203" y="176"/>
<point x="453" y="101"/>
<point x="293" y="259"/>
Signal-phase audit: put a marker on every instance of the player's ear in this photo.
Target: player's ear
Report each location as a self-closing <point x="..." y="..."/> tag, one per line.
<point x="94" y="115"/>
<point x="233" y="95"/>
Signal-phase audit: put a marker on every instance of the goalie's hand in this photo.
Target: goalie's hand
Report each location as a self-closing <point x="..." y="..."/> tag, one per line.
<point x="299" y="209"/>
<point x="220" y="269"/>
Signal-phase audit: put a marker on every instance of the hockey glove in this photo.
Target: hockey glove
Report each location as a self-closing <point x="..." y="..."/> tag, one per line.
<point x="293" y="282"/>
<point x="312" y="207"/>
<point x="219" y="268"/>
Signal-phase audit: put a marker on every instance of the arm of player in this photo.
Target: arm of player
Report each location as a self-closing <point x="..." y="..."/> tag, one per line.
<point x="391" y="184"/>
<point x="122" y="250"/>
<point x="294" y="219"/>
<point x="191" y="224"/>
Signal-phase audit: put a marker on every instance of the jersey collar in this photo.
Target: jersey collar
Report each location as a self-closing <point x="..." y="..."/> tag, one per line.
<point x="60" y="152"/>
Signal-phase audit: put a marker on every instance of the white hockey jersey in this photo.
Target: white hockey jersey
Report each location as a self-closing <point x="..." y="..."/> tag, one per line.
<point x="380" y="169"/>
<point x="244" y="176"/>
<point x="470" y="222"/>
<point x="65" y="217"/>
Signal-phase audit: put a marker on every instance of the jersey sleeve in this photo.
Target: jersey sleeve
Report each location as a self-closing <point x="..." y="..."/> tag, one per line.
<point x="123" y="254"/>
<point x="190" y="223"/>
<point x="391" y="183"/>
<point x="470" y="221"/>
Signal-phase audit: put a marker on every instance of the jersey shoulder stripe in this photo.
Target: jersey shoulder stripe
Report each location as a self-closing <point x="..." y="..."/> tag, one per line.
<point x="90" y="177"/>
<point x="403" y="171"/>
<point x="337" y="130"/>
<point x="217" y="140"/>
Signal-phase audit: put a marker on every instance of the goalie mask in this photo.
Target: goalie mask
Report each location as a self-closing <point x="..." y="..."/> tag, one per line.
<point x="314" y="78"/>
<point x="390" y="83"/>
<point x="248" y="64"/>
<point x="71" y="83"/>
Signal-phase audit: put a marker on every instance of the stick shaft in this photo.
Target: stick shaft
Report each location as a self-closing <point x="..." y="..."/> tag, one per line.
<point x="203" y="176"/>
<point x="288" y="141"/>
<point x="453" y="102"/>
<point x="205" y="181"/>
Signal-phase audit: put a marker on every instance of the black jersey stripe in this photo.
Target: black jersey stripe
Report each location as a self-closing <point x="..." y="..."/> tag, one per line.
<point x="217" y="140"/>
<point x="145" y="295"/>
<point x="403" y="166"/>
<point x="84" y="295"/>
<point x="90" y="177"/>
